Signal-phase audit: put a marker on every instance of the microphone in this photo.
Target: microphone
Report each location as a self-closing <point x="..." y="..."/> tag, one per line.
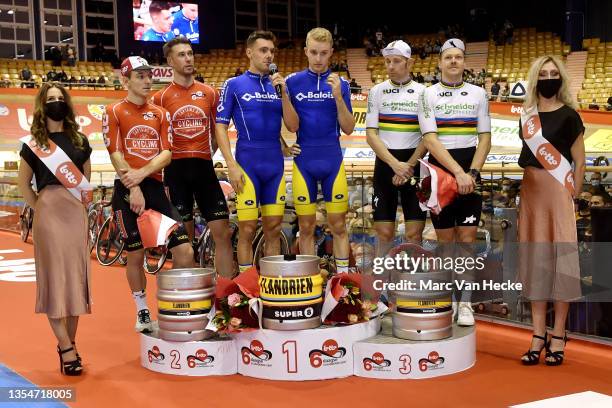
<point x="279" y="88"/>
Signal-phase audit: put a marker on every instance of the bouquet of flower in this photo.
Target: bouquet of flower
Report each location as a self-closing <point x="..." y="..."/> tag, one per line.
<point x="232" y="311"/>
<point x="350" y="298"/>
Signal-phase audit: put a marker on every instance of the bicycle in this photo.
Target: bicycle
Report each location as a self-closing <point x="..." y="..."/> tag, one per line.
<point x="109" y="242"/>
<point x="206" y="246"/>
<point x="26" y="218"/>
<point x="97" y="213"/>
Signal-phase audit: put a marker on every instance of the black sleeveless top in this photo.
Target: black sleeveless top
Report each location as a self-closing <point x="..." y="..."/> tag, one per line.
<point x="43" y="175"/>
<point x="561" y="128"/>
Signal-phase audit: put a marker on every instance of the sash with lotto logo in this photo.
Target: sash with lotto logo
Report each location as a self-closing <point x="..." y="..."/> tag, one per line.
<point x="548" y="156"/>
<point x="58" y="162"/>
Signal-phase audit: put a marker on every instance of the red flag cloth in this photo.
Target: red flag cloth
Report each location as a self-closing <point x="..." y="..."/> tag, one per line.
<point x="443" y="188"/>
<point x="155" y="228"/>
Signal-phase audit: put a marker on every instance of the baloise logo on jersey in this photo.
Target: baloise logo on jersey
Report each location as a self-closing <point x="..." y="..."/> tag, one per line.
<point x="189" y="121"/>
<point x="256" y="354"/>
<point x="200" y="359"/>
<point x="260" y="97"/>
<point x="329" y="355"/>
<point x="142" y="141"/>
<point x="314" y="96"/>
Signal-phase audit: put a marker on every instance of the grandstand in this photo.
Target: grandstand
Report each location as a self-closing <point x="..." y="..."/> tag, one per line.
<point x="598" y="73"/>
<point x="10" y="69"/>
<point x="590" y="70"/>
<point x="222" y="64"/>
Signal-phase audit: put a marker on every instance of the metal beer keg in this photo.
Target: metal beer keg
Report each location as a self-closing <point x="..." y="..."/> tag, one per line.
<point x="423" y="307"/>
<point x="184" y="298"/>
<point x="291" y="290"/>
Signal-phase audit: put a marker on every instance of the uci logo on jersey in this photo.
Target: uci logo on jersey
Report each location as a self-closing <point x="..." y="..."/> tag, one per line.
<point x="410" y="91"/>
<point x="259" y="96"/>
<point x="445" y="93"/>
<point x="197" y="95"/>
<point x="391" y="91"/>
<point x="314" y="95"/>
<point x="464" y="93"/>
<point x="148" y="116"/>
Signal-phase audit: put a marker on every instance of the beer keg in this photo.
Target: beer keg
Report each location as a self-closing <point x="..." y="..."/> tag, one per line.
<point x="184" y="298"/>
<point x="291" y="290"/>
<point x="423" y="310"/>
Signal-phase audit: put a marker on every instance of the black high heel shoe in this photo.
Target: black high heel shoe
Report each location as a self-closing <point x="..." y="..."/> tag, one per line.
<point x="557" y="356"/>
<point x="71" y="368"/>
<point x="533" y="356"/>
<point x="77" y="354"/>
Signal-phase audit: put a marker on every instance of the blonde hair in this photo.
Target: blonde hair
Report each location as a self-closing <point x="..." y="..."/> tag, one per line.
<point x="563" y="95"/>
<point x="320" y="34"/>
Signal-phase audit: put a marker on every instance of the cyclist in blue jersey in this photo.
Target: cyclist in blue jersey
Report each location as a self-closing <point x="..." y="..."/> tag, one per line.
<point x="320" y="109"/>
<point x="456" y="127"/>
<point x="161" y="17"/>
<point x="257" y="172"/>
<point x="186" y="22"/>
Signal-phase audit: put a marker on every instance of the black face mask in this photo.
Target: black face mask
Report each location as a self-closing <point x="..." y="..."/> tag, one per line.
<point x="549" y="87"/>
<point x="56" y="110"/>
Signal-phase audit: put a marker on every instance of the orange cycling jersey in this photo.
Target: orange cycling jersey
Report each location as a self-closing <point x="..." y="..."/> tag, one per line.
<point x="193" y="111"/>
<point x="140" y="132"/>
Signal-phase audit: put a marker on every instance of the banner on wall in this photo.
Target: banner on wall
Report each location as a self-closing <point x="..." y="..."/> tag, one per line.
<point x="16" y="119"/>
<point x="518" y="90"/>
<point x="162" y="74"/>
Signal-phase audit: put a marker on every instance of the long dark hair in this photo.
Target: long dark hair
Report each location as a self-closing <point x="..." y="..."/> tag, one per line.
<point x="39" y="122"/>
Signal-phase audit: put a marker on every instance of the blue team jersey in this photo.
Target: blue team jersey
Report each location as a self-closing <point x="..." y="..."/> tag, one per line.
<point x="185" y="27"/>
<point x="152" y="35"/>
<point x="314" y="103"/>
<point x="251" y="102"/>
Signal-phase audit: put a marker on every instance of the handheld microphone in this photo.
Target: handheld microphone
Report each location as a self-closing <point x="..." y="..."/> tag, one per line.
<point x="279" y="88"/>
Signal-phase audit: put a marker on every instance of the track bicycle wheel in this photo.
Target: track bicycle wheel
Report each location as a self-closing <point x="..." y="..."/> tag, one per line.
<point x="109" y="243"/>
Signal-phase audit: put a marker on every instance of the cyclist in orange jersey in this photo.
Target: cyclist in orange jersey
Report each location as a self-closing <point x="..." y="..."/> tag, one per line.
<point x="138" y="137"/>
<point x="193" y="107"/>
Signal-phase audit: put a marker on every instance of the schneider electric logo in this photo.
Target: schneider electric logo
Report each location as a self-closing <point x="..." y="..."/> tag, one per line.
<point x="259" y="96"/>
<point x="458" y="108"/>
<point x="314" y="95"/>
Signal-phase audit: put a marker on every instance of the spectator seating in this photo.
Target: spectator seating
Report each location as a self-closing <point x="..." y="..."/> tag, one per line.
<point x="511" y="62"/>
<point x="10" y="70"/>
<point x="598" y="73"/>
